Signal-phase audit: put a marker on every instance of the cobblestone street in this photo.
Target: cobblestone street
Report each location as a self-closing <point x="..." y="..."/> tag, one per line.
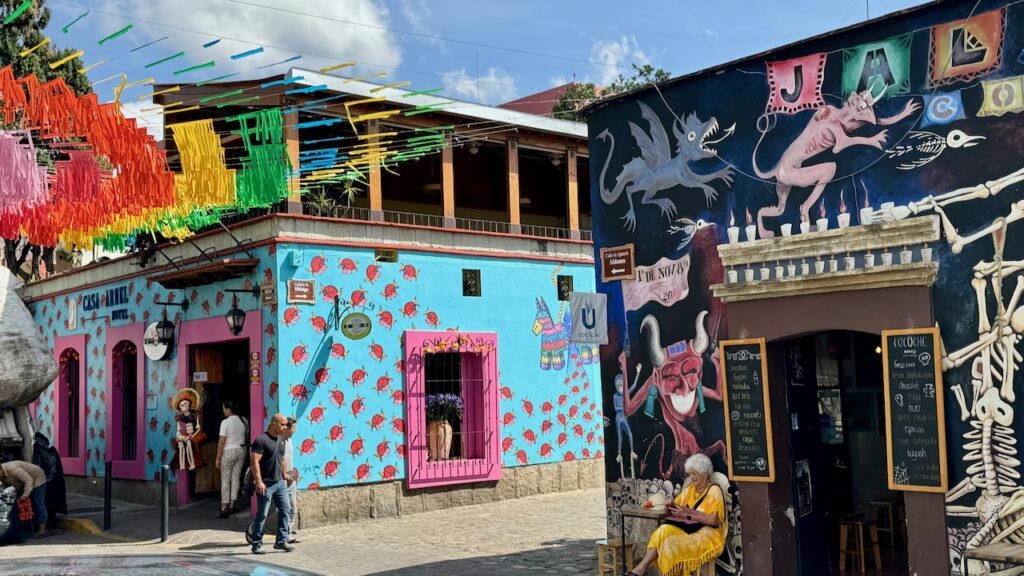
<point x="550" y="534"/>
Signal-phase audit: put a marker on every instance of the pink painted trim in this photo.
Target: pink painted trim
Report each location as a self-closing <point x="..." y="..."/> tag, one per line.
<point x="79" y="343"/>
<point x="487" y="464"/>
<point x="129" y="469"/>
<point x="212" y="331"/>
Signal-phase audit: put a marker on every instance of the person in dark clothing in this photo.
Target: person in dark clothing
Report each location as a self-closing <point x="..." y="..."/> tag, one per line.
<point x="266" y="457"/>
<point x="46" y="457"/>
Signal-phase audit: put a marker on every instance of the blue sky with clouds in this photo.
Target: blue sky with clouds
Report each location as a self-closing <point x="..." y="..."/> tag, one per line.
<point x="486" y="50"/>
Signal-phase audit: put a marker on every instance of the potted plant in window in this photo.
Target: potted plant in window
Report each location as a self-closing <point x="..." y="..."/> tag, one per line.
<point x="441" y="408"/>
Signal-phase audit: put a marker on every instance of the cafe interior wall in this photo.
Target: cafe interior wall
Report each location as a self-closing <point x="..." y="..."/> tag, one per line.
<point x="948" y="120"/>
<point x="348" y="395"/>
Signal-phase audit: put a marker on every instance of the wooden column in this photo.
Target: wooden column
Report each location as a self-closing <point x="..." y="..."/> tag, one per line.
<point x="512" y="178"/>
<point x="291" y="139"/>
<point x="448" y="185"/>
<point x="574" y="193"/>
<point x="376" y="192"/>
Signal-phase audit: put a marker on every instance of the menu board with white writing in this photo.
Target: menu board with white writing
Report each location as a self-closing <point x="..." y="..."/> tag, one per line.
<point x="748" y="422"/>
<point x="914" y="422"/>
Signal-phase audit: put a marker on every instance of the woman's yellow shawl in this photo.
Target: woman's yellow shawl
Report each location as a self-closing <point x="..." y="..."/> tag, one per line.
<point x="680" y="553"/>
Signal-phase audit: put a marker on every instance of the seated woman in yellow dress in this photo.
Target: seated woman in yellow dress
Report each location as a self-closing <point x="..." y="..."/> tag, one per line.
<point x="696" y="534"/>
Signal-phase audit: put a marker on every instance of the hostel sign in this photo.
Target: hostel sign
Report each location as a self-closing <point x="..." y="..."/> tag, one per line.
<point x="108" y="299"/>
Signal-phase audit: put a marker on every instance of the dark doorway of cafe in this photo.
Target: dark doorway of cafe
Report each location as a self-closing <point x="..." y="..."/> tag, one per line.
<point x="838" y="452"/>
<point x="219" y="372"/>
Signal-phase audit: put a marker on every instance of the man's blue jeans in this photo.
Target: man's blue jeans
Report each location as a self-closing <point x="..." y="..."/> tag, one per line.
<point x="278" y="493"/>
<point x="38" y="499"/>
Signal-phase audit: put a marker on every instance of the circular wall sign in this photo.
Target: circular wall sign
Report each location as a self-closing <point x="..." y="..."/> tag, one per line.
<point x="155" y="349"/>
<point x="356" y="325"/>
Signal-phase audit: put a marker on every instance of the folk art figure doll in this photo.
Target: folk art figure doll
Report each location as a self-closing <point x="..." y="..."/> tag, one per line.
<point x="188" y="432"/>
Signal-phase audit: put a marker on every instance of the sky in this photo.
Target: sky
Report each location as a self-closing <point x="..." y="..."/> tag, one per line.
<point x="486" y="51"/>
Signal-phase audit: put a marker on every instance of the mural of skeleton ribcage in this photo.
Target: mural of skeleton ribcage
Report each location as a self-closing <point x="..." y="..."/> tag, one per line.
<point x="991" y="494"/>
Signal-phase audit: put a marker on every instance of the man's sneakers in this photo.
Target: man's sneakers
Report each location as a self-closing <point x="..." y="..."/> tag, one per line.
<point x="258" y="549"/>
<point x="284" y="546"/>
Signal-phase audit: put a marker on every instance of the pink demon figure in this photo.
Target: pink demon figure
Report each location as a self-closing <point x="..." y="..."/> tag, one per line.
<point x="676" y="376"/>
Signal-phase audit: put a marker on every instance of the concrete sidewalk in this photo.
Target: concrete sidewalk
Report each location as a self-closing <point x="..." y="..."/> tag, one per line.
<point x="547" y="534"/>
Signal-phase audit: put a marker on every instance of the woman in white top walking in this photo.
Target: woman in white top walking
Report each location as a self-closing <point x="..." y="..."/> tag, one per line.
<point x="231" y="455"/>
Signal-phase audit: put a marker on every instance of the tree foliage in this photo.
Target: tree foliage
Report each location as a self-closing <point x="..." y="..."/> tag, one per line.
<point x="28" y="30"/>
<point x="579" y="95"/>
<point x="24" y="32"/>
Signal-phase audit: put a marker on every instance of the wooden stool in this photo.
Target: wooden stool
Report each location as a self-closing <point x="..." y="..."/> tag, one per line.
<point x="890" y="511"/>
<point x="613" y="565"/>
<point x="852" y="529"/>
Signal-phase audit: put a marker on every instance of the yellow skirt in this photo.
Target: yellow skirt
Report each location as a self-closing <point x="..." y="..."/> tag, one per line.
<point x="680" y="553"/>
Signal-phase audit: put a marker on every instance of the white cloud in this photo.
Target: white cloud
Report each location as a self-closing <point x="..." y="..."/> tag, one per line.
<point x="416" y="13"/>
<point x="152" y="121"/>
<point x="613" y="57"/>
<point x="333" y="42"/>
<point x="495" y="87"/>
<point x="558" y="80"/>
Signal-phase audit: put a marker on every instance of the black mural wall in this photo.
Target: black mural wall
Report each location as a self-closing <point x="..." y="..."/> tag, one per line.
<point x="900" y="110"/>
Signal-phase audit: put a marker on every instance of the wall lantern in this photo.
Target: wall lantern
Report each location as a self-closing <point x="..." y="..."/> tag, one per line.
<point x="236" y="316"/>
<point x="165" y="328"/>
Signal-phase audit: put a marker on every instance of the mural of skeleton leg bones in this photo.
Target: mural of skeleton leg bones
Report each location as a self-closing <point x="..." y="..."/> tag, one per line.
<point x="990" y="445"/>
<point x="677" y="374"/>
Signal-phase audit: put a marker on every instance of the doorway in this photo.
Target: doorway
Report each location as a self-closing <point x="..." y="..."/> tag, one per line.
<point x="837" y="451"/>
<point x="220" y="373"/>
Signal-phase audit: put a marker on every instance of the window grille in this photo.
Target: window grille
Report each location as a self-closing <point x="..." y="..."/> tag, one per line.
<point x="471" y="283"/>
<point x="564" y="287"/>
<point x="452" y="408"/>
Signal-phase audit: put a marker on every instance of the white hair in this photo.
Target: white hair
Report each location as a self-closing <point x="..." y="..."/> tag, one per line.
<point x="699" y="464"/>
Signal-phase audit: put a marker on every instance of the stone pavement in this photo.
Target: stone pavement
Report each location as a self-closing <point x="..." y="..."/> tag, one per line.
<point x="545" y="534"/>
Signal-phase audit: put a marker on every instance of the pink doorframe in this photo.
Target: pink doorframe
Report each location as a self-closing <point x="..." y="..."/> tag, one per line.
<point x="214" y="331"/>
<point x="78" y="343"/>
<point x="129" y="469"/>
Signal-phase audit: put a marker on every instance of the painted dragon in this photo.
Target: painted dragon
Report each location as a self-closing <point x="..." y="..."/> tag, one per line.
<point x="656" y="169"/>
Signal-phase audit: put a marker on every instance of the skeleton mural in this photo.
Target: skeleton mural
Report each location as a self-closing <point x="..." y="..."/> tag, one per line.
<point x="930" y="116"/>
<point x="990" y="444"/>
<point x="656" y="169"/>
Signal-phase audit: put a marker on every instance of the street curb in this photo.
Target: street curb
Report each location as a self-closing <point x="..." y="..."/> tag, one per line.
<point x="79" y="525"/>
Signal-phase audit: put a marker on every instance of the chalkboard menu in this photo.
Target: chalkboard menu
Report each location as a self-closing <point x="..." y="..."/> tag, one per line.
<point x="748" y="418"/>
<point x="914" y="422"/>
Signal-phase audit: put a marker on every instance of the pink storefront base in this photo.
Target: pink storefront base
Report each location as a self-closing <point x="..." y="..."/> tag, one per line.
<point x="215" y="331"/>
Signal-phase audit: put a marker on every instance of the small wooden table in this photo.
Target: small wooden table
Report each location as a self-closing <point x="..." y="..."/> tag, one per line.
<point x="1003" y="552"/>
<point x="637" y="512"/>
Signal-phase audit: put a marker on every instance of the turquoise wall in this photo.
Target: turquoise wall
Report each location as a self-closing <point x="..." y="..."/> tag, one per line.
<point x="546" y="415"/>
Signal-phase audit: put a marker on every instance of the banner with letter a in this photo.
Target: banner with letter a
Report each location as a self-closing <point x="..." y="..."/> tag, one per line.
<point x="877" y="64"/>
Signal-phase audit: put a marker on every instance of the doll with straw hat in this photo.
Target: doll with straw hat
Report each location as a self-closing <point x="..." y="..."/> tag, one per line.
<point x="186" y="403"/>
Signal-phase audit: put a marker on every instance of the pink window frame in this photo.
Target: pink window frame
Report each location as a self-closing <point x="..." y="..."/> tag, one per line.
<point x="72" y="466"/>
<point x="128" y="469"/>
<point x="421" y="473"/>
<point x="214" y="331"/>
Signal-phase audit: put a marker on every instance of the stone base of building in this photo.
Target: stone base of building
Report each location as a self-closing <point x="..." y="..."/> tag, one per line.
<point x="353" y="503"/>
<point x="139" y="491"/>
